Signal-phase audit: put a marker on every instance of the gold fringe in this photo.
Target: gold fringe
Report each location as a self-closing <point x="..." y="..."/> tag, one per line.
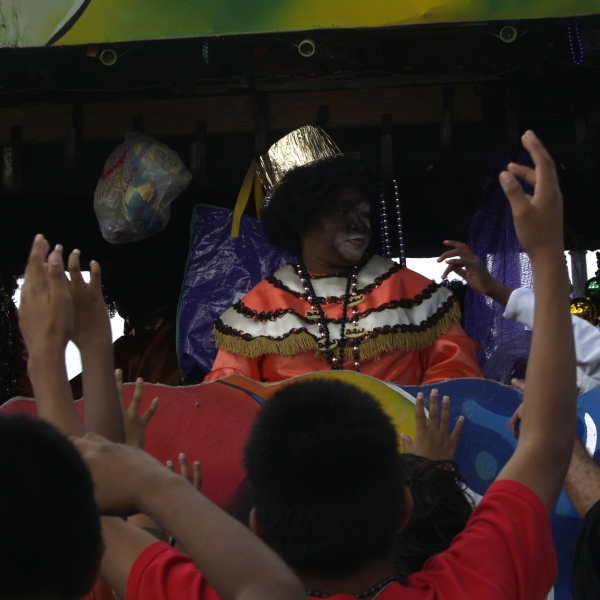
<point x="290" y="346"/>
<point x="371" y="349"/>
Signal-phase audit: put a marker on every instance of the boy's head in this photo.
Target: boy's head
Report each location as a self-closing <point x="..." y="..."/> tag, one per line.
<point x="326" y="477"/>
<point x="51" y="542"/>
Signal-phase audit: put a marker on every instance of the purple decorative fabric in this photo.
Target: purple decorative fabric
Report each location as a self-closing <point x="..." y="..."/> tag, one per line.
<point x="220" y="270"/>
<point x="504" y="344"/>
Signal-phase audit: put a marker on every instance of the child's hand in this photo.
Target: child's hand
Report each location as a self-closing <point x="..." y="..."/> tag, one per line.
<point x="434" y="440"/>
<point x="92" y="323"/>
<point x="538" y="219"/>
<point x="135" y="424"/>
<point x="46" y="310"/>
<point x="184" y="471"/>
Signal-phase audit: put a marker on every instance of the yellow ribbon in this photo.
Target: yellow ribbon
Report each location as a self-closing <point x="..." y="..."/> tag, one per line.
<point x="243" y="197"/>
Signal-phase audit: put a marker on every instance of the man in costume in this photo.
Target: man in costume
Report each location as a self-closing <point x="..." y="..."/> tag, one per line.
<point x="337" y="307"/>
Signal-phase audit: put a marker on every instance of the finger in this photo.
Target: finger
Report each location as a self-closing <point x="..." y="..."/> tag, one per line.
<point x="37" y="258"/>
<point x="184" y="469"/>
<point x="95" y="275"/>
<point x="56" y="267"/>
<point x="136" y="400"/>
<point x="119" y="386"/>
<point x="456" y="249"/>
<point x="169" y="465"/>
<point x="74" y="267"/>
<point x="420" y="420"/>
<point x="445" y="414"/>
<point x="458" y="429"/>
<point x="433" y="408"/>
<point x="407" y="443"/>
<point x="523" y="172"/>
<point x="454" y="243"/>
<point x="541" y="158"/>
<point x="454" y="268"/>
<point x="514" y="192"/>
<point x="518" y="383"/>
<point x="448" y="254"/>
<point x="149" y="413"/>
<point x="197" y="483"/>
<point x="82" y="445"/>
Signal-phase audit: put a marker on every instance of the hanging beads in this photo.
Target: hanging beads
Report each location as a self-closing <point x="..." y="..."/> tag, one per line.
<point x="575" y="42"/>
<point x="399" y="223"/>
<point x="383" y="222"/>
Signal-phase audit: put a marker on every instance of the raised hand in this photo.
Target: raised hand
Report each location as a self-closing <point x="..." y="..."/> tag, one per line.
<point x="46" y="321"/>
<point x="434" y="440"/>
<point x="538" y="219"/>
<point x="134" y="424"/>
<point x="46" y="309"/>
<point x="92" y="334"/>
<point x="184" y="471"/>
<point x="91" y="321"/>
<point x="465" y="263"/>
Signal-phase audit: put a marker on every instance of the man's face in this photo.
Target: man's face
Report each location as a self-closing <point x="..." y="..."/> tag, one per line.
<point x="340" y="238"/>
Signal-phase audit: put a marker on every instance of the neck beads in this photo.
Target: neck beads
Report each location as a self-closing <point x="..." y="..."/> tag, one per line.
<point x="351" y="299"/>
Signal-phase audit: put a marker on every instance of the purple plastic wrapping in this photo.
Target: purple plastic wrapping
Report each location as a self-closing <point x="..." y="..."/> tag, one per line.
<point x="220" y="270"/>
<point x="504" y="344"/>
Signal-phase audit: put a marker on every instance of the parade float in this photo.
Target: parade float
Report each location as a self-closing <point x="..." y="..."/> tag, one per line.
<point x="436" y="91"/>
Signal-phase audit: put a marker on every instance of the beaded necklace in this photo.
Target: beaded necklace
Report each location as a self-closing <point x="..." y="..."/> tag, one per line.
<point x="575" y="42"/>
<point x="378" y="587"/>
<point x="351" y="299"/>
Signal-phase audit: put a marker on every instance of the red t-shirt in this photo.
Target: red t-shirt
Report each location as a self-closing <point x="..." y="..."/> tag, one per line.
<point x="505" y="552"/>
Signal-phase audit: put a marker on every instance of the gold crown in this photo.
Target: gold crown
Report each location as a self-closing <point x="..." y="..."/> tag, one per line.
<point x="304" y="146"/>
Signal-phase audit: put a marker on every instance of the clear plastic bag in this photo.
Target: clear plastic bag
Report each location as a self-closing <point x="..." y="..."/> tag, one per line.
<point x="137" y="185"/>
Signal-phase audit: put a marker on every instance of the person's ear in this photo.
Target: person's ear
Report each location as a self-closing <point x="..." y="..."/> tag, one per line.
<point x="408" y="506"/>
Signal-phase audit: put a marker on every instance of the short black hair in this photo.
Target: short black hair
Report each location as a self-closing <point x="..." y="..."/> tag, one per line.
<point x="326" y="476"/>
<point x="51" y="541"/>
<point x="440" y="512"/>
<point x="307" y="194"/>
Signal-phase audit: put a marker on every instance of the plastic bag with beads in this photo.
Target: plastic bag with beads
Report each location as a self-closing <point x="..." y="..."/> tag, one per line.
<point x="137" y="185"/>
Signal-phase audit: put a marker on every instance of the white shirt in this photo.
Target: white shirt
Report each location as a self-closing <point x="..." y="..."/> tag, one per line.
<point x="587" y="337"/>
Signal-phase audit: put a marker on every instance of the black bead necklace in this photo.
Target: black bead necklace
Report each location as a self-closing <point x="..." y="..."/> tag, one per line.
<point x="363" y="595"/>
<point x="326" y="344"/>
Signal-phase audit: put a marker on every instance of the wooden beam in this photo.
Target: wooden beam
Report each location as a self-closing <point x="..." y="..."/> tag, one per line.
<point x="234" y="113"/>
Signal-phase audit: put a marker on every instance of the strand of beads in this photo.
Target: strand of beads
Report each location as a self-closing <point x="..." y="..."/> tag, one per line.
<point x="386" y="248"/>
<point x="575" y="45"/>
<point x="351" y="299"/>
<point x="399" y="223"/>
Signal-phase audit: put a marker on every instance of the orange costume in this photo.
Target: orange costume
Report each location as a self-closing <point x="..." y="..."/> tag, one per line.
<point x="411" y="330"/>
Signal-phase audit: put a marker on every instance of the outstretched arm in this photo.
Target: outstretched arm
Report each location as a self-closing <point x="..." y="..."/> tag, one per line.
<point x="548" y="415"/>
<point x="46" y="322"/>
<point x="92" y="335"/>
<point x="235" y="562"/>
<point x="465" y="263"/>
